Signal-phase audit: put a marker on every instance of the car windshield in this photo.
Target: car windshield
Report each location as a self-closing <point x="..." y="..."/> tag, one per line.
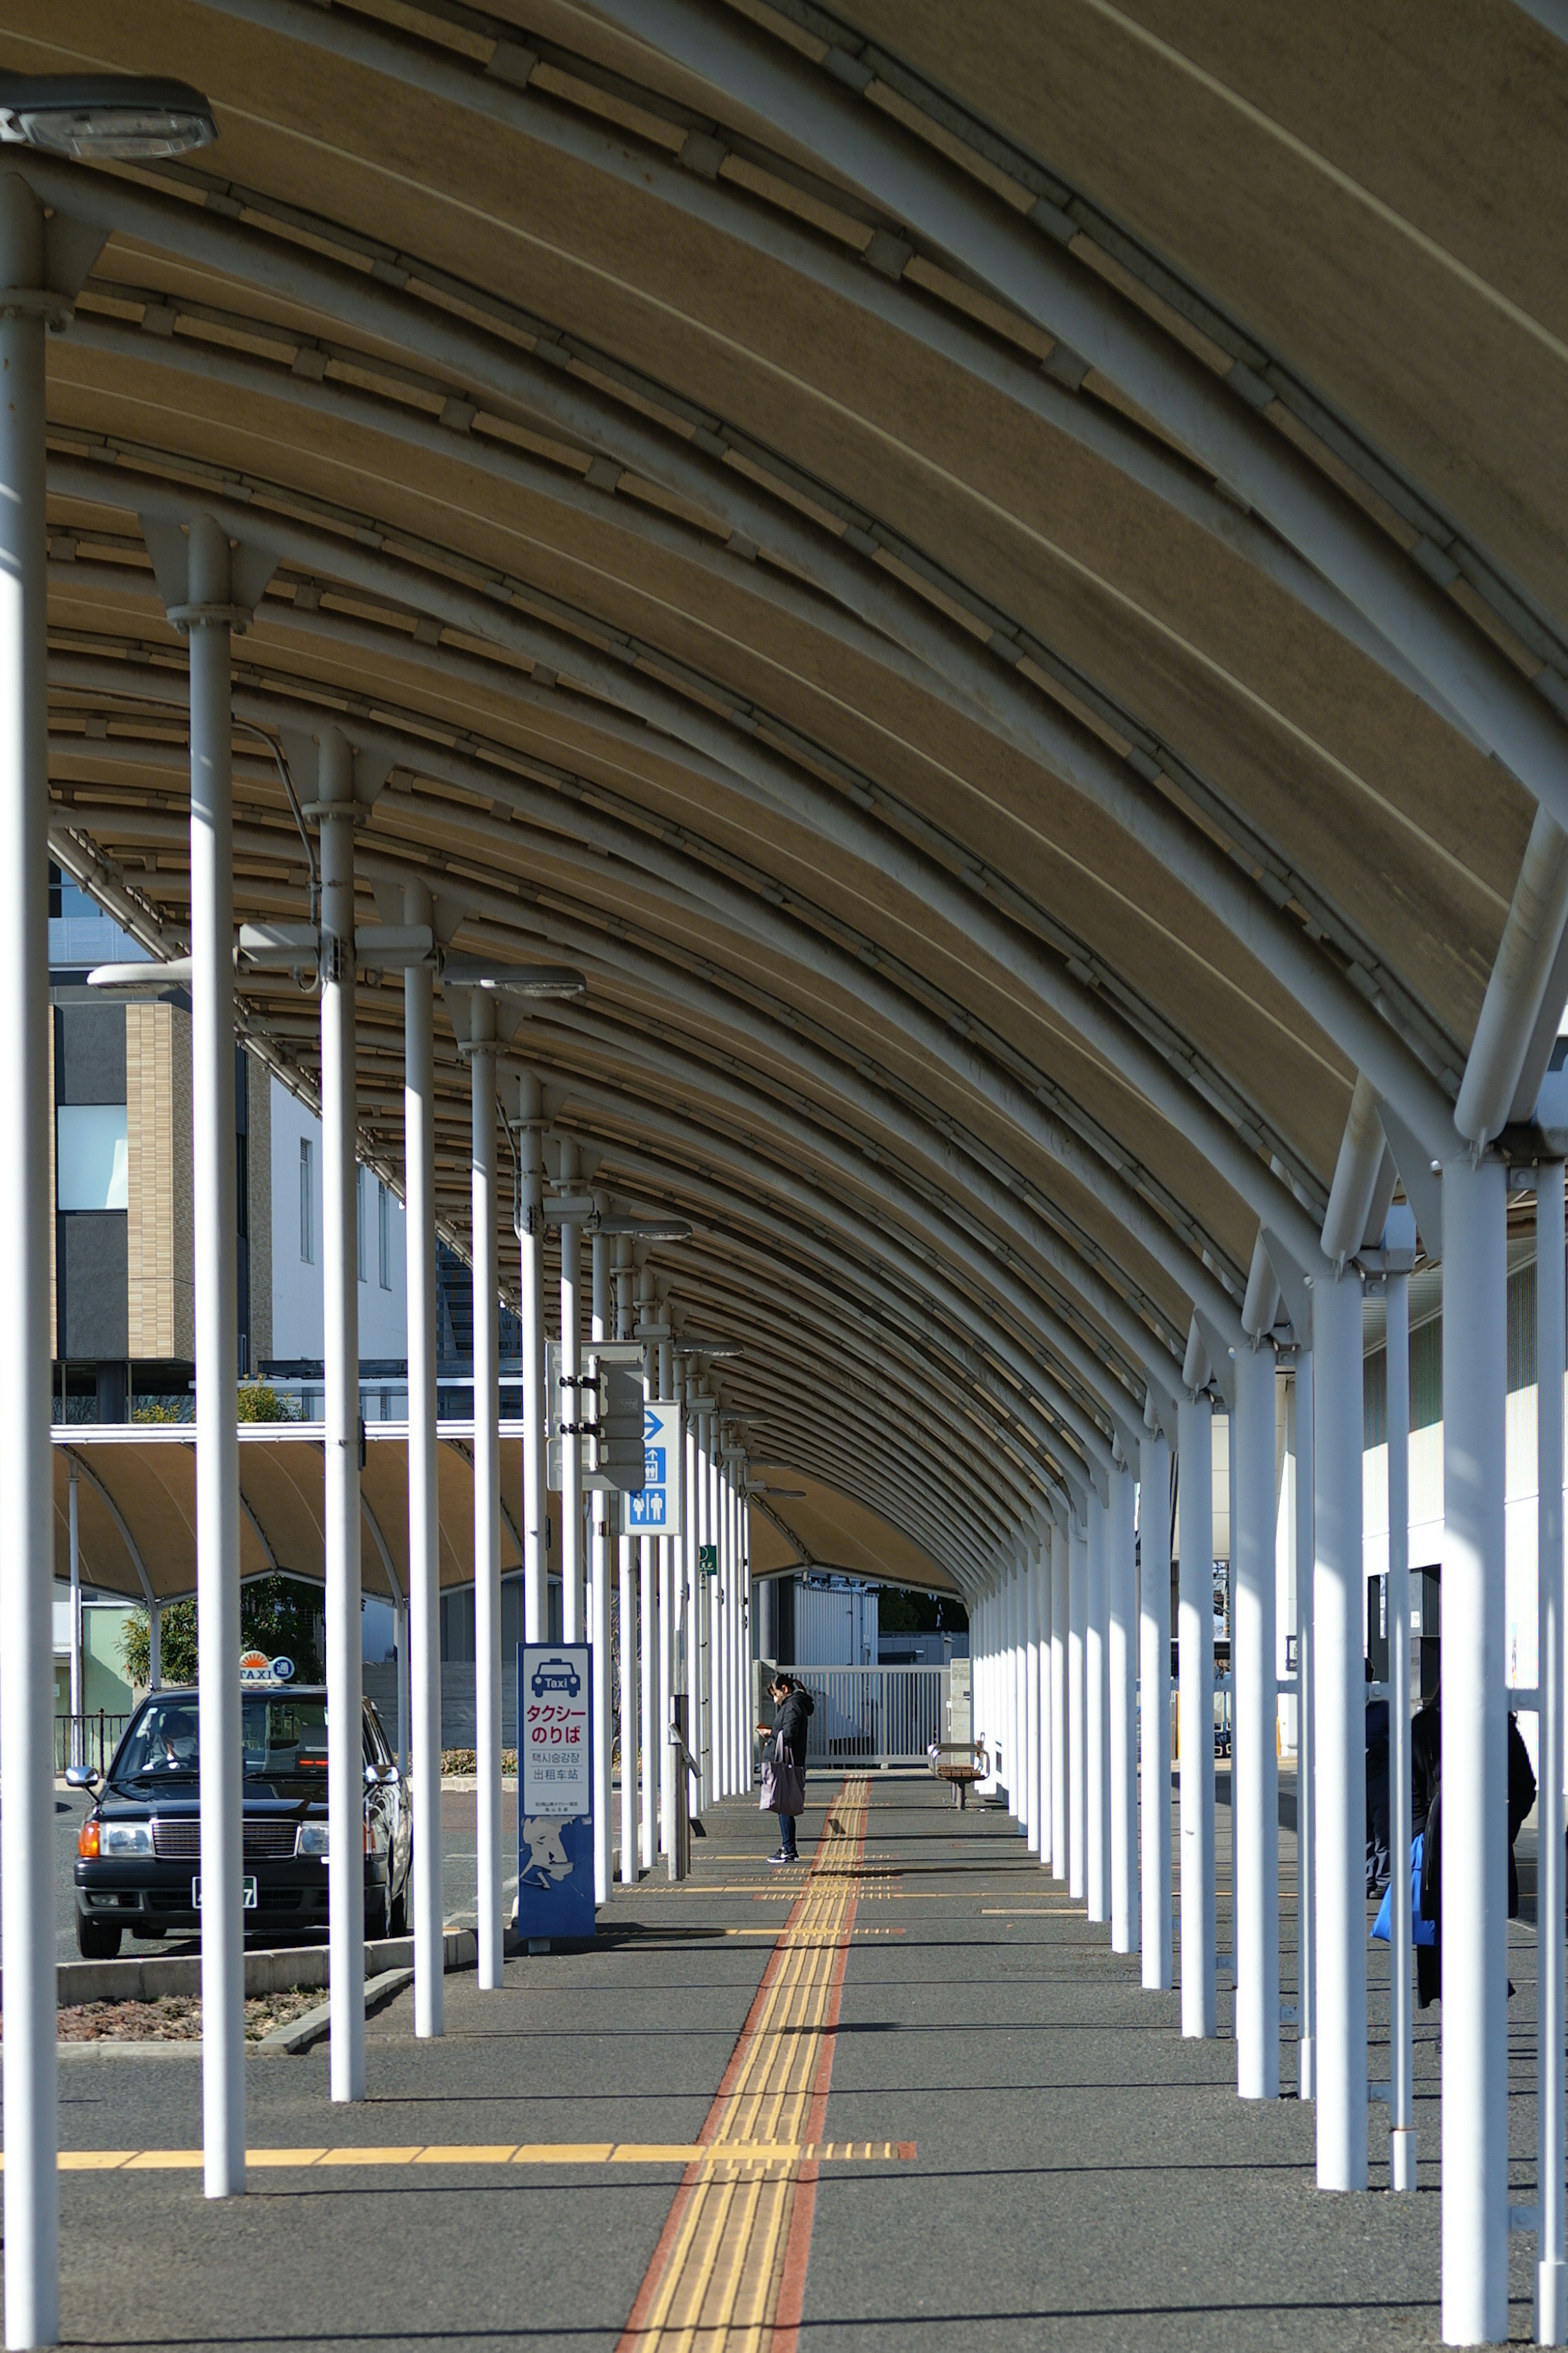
<point x="283" y="1733"/>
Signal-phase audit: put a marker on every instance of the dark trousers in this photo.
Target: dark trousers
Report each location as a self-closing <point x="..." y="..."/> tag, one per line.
<point x="786" y="1834"/>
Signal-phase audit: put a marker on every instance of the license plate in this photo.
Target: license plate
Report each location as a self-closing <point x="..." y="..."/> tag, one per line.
<point x="247" y="1884"/>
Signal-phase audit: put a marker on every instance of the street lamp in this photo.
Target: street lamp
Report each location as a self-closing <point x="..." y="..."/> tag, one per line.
<point x="92" y="117"/>
<point x="646" y="1228"/>
<point x="103" y="118"/>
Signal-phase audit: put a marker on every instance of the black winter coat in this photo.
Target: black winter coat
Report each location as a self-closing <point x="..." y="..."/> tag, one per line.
<point x="791" y="1722"/>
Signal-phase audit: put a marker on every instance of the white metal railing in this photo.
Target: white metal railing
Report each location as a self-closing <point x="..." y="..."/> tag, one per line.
<point x="874" y="1715"/>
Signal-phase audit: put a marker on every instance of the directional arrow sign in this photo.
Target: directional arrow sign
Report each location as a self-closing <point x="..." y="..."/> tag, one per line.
<point x="654" y="1509"/>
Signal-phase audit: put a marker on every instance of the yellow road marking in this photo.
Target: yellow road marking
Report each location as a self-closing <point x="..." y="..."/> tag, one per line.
<point x="715" y="2279"/>
<point x="768" y="2152"/>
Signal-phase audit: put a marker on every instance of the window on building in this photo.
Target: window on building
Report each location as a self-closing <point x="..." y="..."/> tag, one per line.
<point x="91" y="1157"/>
<point x="359" y="1223"/>
<point x="307" y="1201"/>
<point x="383" y="1235"/>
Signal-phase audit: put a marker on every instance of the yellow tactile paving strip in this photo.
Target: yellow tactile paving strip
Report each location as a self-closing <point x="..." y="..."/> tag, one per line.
<point x="548" y="2152"/>
<point x="728" y="2271"/>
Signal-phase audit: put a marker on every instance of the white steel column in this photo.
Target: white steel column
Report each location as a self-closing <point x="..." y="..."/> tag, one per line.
<point x="1096" y="1837"/>
<point x="691" y="1583"/>
<point x="489" y="1911"/>
<point x="715" y="1616"/>
<point x="739" y="1638"/>
<point x="599" y="1612"/>
<point x="1077" y="1807"/>
<point x="535" y="1406"/>
<point x="1043" y="1560"/>
<point x="671" y="1596"/>
<point x="571" y="1417"/>
<point x="719" y="1588"/>
<point x="215" y="1252"/>
<point x="1475" y="1755"/>
<point x="631" y="1712"/>
<point x="424" y="1499"/>
<point x="1339" y="1736"/>
<point x="1550" y="2271"/>
<point x="1194" y="1703"/>
<point x="647" y="1711"/>
<point x="1302" y="1421"/>
<point x="630" y="1668"/>
<point x="1401" y="2094"/>
<point x="702" y="1614"/>
<point x="1154" y="1703"/>
<point x="1255" y="1766"/>
<point x="73" y="1531"/>
<point x="1122" y="1672"/>
<point x="1017" y="1696"/>
<point x="1031" y="1580"/>
<point x="1061" y="1787"/>
<point x="340" y="1259"/>
<point x="27" y="1494"/>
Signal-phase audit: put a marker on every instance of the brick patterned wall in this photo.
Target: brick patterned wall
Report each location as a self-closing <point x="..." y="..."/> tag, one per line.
<point x="160" y="1266"/>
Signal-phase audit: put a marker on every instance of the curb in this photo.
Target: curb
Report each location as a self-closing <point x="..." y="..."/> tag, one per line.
<point x="317" y="2023"/>
<point x="275" y="1970"/>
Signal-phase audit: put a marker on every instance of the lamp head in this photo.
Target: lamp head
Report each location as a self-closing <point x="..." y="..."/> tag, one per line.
<point x="100" y="118"/>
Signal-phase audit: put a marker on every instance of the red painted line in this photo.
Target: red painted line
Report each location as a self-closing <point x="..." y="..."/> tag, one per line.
<point x="631" y="2335"/>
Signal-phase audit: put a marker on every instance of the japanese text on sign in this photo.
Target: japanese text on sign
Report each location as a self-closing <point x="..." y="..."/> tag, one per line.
<point x="555" y="1744"/>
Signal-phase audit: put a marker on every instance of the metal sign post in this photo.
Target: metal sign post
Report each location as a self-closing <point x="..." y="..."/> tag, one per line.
<point x="555" y="1792"/>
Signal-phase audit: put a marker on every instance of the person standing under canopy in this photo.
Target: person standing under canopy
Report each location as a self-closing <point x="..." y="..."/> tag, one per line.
<point x="783" y="1774"/>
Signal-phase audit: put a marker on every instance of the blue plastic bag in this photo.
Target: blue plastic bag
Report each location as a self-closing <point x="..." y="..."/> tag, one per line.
<point x="1422" y="1932"/>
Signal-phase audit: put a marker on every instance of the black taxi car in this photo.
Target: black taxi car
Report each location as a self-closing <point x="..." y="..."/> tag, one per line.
<point x="139" y="1852"/>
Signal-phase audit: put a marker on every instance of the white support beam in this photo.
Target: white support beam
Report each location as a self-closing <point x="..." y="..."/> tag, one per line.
<point x="26" y="1472"/>
<point x="424" y="1495"/>
<point x="1255" y="1780"/>
<point x="490" y="1869"/>
<point x="1474" y="1783"/>
<point x="1078" y="1707"/>
<point x="1122" y="1724"/>
<point x="1339" y="1733"/>
<point x="207" y="615"/>
<point x="1551" y="1344"/>
<point x="1154" y="1704"/>
<point x="337" y="812"/>
<point x="1194" y="1645"/>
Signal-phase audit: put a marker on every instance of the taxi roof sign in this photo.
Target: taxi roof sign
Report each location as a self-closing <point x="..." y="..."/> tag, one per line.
<point x="256" y="1670"/>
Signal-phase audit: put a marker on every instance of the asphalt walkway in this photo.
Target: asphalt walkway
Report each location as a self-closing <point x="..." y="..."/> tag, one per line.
<point x="905" y="2098"/>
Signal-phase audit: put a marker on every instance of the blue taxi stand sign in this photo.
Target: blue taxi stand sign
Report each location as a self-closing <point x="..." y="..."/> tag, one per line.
<point x="554" y="1791"/>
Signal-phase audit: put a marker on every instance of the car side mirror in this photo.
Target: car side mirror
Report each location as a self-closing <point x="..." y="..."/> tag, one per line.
<point x="80" y="1777"/>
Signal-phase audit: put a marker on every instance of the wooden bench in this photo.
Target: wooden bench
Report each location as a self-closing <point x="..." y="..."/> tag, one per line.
<point x="960" y="1762"/>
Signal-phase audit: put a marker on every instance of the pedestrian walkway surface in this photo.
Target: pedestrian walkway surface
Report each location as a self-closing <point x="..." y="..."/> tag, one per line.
<point x="901" y="2096"/>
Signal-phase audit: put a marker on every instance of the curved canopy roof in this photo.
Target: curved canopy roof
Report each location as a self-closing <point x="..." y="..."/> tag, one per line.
<point x="995" y="577"/>
<point x="136" y="1505"/>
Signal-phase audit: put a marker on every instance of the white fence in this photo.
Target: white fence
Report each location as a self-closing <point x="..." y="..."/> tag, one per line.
<point x="874" y="1715"/>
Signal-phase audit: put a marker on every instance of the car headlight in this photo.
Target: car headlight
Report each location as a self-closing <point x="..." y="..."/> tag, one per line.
<point x="125" y="1838"/>
<point x="310" y="1838"/>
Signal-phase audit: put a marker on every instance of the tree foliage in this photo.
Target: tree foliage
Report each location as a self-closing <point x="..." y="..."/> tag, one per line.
<point x="902" y="1609"/>
<point x="257" y="1402"/>
<point x="276" y="1614"/>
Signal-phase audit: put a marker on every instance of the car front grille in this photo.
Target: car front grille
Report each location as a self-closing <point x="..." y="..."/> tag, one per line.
<point x="179" y="1840"/>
